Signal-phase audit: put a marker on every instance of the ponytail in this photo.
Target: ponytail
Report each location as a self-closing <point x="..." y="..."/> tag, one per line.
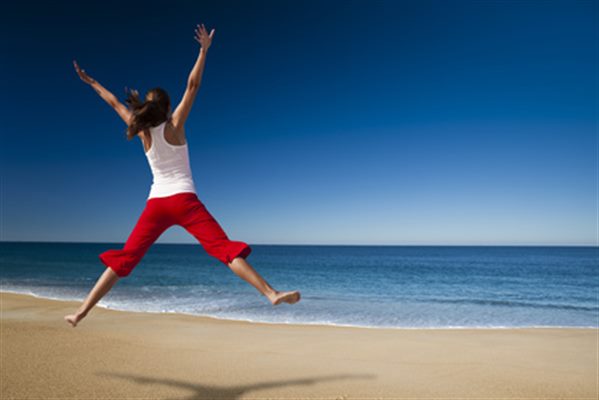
<point x="147" y="113"/>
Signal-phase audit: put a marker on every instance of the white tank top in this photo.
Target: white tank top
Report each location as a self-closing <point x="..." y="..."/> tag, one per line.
<point x="169" y="164"/>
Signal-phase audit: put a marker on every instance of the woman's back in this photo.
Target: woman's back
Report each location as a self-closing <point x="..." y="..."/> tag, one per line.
<point x="169" y="163"/>
<point x="172" y="135"/>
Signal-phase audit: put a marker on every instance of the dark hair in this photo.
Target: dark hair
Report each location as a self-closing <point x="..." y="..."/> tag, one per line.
<point x="151" y="112"/>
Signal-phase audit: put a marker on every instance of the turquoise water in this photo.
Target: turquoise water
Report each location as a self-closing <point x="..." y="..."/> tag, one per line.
<point x="369" y="286"/>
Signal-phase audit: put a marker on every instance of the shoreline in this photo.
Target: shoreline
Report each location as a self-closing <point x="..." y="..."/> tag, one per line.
<point x="2" y="292"/>
<point x="122" y="354"/>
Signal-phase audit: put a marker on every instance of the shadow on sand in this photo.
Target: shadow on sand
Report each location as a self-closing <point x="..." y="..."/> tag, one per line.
<point x="205" y="392"/>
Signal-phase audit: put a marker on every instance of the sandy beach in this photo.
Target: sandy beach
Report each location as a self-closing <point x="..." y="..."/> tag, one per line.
<point x="117" y="354"/>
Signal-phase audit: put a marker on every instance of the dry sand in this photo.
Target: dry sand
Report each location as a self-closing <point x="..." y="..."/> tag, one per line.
<point x="125" y="355"/>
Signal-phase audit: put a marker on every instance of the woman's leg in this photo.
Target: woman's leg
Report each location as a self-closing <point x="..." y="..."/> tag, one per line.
<point x="152" y="222"/>
<point x="198" y="221"/>
<point x="244" y="270"/>
<point x="103" y="285"/>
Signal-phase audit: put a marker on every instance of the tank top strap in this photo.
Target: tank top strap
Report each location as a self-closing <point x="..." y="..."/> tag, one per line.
<point x="157" y="133"/>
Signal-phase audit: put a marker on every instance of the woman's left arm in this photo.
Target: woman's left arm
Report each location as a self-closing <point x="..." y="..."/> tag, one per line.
<point x="110" y="98"/>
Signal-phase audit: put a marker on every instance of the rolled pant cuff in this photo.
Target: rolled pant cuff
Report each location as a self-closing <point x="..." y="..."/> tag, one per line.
<point x="110" y="260"/>
<point x="237" y="249"/>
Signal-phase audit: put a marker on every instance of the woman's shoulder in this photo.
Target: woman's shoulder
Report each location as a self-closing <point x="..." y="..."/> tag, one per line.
<point x="173" y="134"/>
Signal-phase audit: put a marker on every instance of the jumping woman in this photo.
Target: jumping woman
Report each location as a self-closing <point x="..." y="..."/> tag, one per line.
<point x="172" y="199"/>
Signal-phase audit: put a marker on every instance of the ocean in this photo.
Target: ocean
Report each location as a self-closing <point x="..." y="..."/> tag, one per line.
<point x="362" y="286"/>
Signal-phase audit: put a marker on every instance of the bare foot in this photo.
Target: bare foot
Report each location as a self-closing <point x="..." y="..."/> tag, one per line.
<point x="287" y="297"/>
<point x="73" y="319"/>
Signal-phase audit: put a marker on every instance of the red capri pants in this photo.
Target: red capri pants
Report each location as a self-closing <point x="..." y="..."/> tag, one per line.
<point x="160" y="213"/>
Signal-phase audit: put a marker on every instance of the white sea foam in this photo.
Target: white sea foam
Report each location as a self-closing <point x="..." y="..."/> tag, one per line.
<point x="133" y="306"/>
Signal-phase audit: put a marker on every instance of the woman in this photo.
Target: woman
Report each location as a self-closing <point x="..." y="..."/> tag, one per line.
<point x="172" y="199"/>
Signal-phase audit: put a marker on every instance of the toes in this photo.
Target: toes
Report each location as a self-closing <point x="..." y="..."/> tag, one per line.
<point x="296" y="297"/>
<point x="70" y="321"/>
<point x="289" y="297"/>
<point x="292" y="297"/>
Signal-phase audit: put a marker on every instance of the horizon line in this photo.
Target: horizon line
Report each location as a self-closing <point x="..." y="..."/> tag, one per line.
<point x="332" y="244"/>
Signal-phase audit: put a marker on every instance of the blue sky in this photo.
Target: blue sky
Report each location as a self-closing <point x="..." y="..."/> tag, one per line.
<point x="317" y="122"/>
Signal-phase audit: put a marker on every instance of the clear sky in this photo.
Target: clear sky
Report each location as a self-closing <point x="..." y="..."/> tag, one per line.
<point x="317" y="122"/>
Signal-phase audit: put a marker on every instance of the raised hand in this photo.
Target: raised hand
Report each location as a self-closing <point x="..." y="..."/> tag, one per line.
<point x="201" y="35"/>
<point x="81" y="72"/>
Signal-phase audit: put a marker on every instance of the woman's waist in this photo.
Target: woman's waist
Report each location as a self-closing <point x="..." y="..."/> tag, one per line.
<point x="169" y="192"/>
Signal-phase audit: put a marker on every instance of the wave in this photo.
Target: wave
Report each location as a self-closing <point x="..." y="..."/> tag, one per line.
<point x="315" y="322"/>
<point x="510" y="303"/>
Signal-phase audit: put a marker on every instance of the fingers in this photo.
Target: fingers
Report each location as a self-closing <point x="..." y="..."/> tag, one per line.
<point x="201" y="29"/>
<point x="201" y="33"/>
<point x="80" y="71"/>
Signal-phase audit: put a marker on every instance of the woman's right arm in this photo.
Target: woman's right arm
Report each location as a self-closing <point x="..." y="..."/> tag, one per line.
<point x="108" y="97"/>
<point x="195" y="78"/>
